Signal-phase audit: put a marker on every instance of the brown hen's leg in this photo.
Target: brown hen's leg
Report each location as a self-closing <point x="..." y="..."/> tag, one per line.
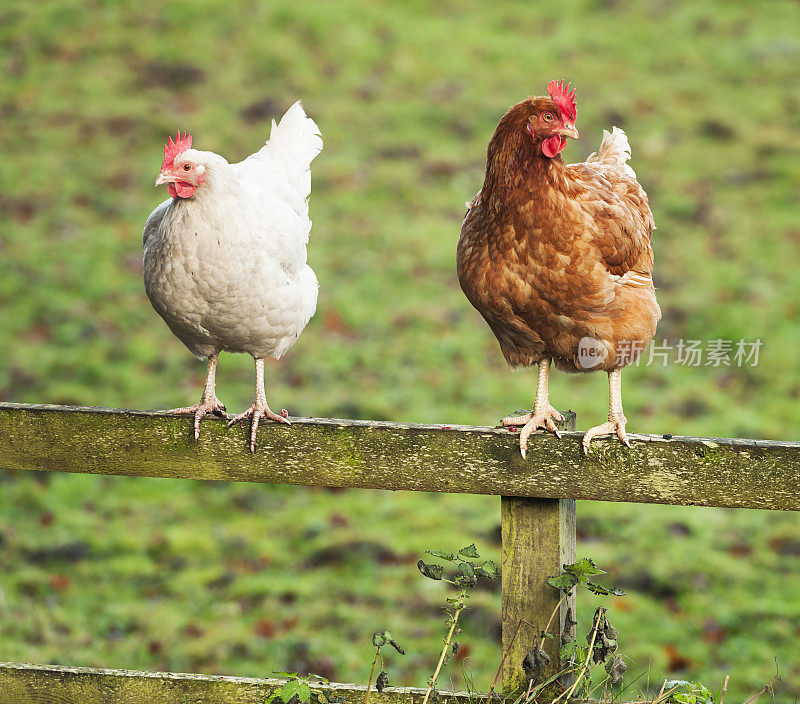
<point x="616" y="418"/>
<point x="543" y="413"/>
<point x="259" y="409"/>
<point x="209" y="403"/>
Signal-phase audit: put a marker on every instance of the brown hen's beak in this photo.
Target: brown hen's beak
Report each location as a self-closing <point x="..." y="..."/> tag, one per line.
<point x="569" y="131"/>
<point x="161" y="179"/>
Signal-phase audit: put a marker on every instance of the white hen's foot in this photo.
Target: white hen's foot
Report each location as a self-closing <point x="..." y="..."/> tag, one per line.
<point x="533" y="421"/>
<point x="257" y="411"/>
<point x="209" y="405"/>
<point x="611" y="427"/>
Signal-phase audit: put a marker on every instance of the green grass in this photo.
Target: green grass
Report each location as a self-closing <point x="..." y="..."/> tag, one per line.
<point x="407" y="96"/>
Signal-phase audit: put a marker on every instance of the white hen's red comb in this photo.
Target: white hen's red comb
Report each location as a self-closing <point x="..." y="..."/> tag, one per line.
<point x="564" y="98"/>
<point x="172" y="149"/>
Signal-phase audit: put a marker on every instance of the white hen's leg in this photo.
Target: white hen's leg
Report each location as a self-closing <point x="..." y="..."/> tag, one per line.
<point x="259" y="409"/>
<point x="616" y="418"/>
<point x="543" y="413"/>
<point x="209" y="403"/>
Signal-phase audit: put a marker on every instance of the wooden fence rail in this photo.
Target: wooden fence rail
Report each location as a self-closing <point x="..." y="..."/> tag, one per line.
<point x="537" y="505"/>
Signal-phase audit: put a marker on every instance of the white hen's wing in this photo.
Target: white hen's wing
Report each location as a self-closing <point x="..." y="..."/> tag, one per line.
<point x="282" y="167"/>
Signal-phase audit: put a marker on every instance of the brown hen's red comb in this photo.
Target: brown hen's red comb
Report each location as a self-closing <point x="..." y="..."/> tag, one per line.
<point x="564" y="98"/>
<point x="172" y="149"/>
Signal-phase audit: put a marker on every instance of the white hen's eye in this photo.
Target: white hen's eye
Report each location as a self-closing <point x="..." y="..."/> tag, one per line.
<point x="187" y="167"/>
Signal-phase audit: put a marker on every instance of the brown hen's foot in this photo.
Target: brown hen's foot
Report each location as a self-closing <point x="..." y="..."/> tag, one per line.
<point x="209" y="405"/>
<point x="611" y="427"/>
<point x="522" y="420"/>
<point x="616" y="418"/>
<point x="533" y="421"/>
<point x="543" y="413"/>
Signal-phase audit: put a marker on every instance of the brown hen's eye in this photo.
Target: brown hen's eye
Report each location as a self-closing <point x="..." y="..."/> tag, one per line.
<point x="186" y="167"/>
<point x="548" y="116"/>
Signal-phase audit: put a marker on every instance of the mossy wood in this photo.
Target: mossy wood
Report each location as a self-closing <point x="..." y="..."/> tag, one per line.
<point x="538" y="538"/>
<point x="36" y="684"/>
<point x="457" y="459"/>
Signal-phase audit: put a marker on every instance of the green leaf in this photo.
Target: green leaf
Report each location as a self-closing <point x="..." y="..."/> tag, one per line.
<point x="566" y="651"/>
<point x="488" y="569"/>
<point x="379" y="639"/>
<point x="688" y="692"/>
<point x="303" y="692"/>
<point x="603" y="591"/>
<point x="583" y="568"/>
<point x="286" y="675"/>
<point x="431" y="571"/>
<point x="564" y="582"/>
<point x="467" y="569"/>
<point x="396" y="646"/>
<point x="442" y="554"/>
<point x="465" y="581"/>
<point x="469" y="551"/>
<point x="290" y="689"/>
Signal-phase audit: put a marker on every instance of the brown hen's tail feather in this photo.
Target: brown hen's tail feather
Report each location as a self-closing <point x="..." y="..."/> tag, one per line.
<point x="614" y="151"/>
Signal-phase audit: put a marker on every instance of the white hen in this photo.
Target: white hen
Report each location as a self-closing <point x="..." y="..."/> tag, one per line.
<point x="225" y="256"/>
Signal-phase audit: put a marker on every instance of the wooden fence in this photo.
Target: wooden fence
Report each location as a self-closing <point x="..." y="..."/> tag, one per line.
<point x="537" y="506"/>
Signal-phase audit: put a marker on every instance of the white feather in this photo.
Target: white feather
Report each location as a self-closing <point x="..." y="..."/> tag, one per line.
<point x="614" y="151"/>
<point x="226" y="268"/>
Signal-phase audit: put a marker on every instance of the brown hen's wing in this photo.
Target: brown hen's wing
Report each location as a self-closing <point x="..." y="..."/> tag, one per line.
<point x="619" y="207"/>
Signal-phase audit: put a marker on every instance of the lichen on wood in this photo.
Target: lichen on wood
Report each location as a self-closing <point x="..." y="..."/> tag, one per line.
<point x="46" y="684"/>
<point x="404" y="456"/>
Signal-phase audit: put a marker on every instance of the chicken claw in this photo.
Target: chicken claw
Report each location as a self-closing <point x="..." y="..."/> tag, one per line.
<point x="257" y="411"/>
<point x="543" y="413"/>
<point x="611" y="427"/>
<point x="533" y="421"/>
<point x="616" y="418"/>
<point x="209" y="405"/>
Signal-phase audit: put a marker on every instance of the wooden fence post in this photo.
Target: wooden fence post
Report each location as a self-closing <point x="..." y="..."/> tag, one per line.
<point x="538" y="538"/>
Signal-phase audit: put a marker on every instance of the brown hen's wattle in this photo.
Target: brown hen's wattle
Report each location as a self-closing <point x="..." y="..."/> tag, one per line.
<point x="552" y="253"/>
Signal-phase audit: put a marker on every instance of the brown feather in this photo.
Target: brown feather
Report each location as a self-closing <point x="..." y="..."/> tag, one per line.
<point x="550" y="253"/>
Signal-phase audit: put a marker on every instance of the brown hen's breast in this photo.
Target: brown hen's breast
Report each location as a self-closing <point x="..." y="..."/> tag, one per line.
<point x="540" y="281"/>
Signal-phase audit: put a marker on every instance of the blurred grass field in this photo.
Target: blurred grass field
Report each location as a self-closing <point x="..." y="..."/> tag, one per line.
<point x="245" y="580"/>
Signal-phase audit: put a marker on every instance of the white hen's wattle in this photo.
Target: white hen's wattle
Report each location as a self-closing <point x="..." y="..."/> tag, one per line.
<point x="226" y="268"/>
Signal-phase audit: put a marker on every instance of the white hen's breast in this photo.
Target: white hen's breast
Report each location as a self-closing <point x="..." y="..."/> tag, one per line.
<point x="228" y="273"/>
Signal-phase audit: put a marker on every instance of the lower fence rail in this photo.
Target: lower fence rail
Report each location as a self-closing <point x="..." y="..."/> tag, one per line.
<point x="52" y="684"/>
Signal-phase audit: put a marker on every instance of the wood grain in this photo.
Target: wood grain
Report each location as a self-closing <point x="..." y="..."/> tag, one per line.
<point x="50" y="684"/>
<point x="538" y="538"/>
<point x="408" y="456"/>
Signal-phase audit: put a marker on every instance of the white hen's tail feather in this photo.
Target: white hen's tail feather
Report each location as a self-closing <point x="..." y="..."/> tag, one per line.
<point x="294" y="142"/>
<point x="283" y="165"/>
<point x="614" y="151"/>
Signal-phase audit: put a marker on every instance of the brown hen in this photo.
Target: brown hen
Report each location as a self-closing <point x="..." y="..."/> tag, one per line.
<point x="556" y="257"/>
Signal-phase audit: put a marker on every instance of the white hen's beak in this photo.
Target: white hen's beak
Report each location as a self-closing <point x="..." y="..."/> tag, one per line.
<point x="161" y="179"/>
